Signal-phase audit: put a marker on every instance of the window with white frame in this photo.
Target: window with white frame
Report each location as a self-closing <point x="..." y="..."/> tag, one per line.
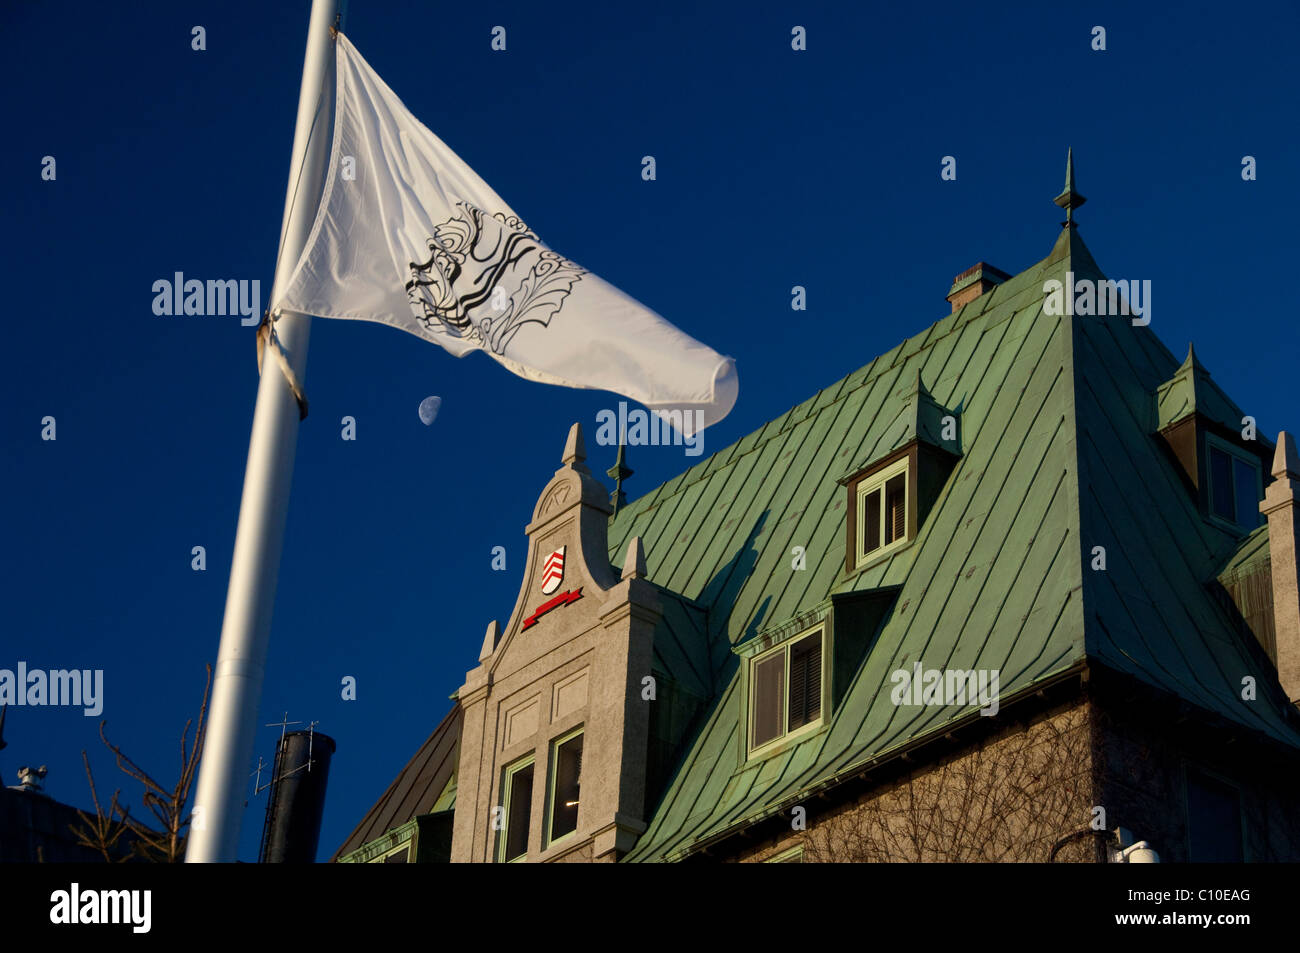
<point x="785" y="690"/>
<point x="1235" y="484"/>
<point x="882" y="511"/>
<point x="565" y="783"/>
<point x="517" y="808"/>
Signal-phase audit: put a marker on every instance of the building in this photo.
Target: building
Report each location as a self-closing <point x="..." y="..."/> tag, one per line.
<point x="35" y="828"/>
<point x="1023" y="581"/>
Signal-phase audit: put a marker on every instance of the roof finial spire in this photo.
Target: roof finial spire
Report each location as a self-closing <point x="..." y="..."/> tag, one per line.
<point x="1069" y="199"/>
<point x="618" y="473"/>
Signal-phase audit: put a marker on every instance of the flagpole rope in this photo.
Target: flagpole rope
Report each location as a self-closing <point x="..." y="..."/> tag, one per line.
<point x="266" y="336"/>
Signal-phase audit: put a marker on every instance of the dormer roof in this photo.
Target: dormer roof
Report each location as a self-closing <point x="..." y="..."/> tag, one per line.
<point x="1191" y="391"/>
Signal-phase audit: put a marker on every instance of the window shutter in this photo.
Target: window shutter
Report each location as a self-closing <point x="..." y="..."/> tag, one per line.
<point x="871" y="517"/>
<point x="769" y="698"/>
<point x="815" y="678"/>
<point x="805" y="681"/>
<point x="798" y="688"/>
<point x="896" y="508"/>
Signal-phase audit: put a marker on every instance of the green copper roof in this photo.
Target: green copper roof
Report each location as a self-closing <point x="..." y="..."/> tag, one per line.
<point x="1151" y="613"/>
<point x="1056" y="457"/>
<point x="1250" y="556"/>
<point x="682" y="648"/>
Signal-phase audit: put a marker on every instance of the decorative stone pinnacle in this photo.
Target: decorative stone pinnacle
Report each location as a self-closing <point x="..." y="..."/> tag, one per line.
<point x="634" y="564"/>
<point x="490" y="639"/>
<point x="575" y="451"/>
<point x="1286" y="462"/>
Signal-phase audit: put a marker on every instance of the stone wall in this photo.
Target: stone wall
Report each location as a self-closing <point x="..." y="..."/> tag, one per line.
<point x="1008" y="797"/>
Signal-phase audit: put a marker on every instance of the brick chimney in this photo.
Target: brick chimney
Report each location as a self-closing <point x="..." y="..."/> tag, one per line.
<point x="1282" y="507"/>
<point x="976" y="280"/>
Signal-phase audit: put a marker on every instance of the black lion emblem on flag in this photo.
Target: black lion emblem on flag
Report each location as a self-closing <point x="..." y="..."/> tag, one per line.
<point x="494" y="268"/>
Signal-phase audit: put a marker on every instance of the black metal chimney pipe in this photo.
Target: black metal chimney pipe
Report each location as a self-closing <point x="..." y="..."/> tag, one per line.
<point x="294" y="810"/>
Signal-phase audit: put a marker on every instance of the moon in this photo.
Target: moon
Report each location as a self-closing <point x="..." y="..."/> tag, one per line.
<point x="429" y="409"/>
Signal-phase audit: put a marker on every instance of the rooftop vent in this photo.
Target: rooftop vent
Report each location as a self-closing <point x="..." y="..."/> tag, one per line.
<point x="976" y="280"/>
<point x="31" y="779"/>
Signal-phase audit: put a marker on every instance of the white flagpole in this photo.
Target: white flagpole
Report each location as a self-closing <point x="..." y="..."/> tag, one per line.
<point x="259" y="536"/>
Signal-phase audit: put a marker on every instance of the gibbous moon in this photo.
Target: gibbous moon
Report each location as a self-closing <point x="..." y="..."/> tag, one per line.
<point x="429" y="409"/>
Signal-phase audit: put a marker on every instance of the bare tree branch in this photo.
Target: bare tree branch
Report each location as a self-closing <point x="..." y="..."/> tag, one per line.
<point x="165" y="844"/>
<point x="103" y="832"/>
<point x="1007" y="798"/>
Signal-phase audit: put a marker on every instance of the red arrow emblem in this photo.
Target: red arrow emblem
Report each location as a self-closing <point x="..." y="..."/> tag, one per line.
<point x="563" y="599"/>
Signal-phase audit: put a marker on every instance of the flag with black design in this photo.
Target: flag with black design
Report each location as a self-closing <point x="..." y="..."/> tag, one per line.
<point x="408" y="235"/>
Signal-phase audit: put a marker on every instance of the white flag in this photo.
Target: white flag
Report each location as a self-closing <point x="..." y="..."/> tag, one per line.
<point x="408" y="235"/>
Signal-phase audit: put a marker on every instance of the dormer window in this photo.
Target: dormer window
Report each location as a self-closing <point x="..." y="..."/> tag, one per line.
<point x="1235" y="485"/>
<point x="882" y="511"/>
<point x="883" y="506"/>
<point x="891" y="492"/>
<point x="785" y="691"/>
<point x="1204" y="432"/>
<point x="796" y="672"/>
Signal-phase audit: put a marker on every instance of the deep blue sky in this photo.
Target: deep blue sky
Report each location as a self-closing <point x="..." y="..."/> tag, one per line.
<point x="775" y="168"/>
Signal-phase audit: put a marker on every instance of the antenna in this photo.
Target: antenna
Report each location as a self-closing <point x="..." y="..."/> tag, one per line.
<point x="282" y="724"/>
<point x="257" y="779"/>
